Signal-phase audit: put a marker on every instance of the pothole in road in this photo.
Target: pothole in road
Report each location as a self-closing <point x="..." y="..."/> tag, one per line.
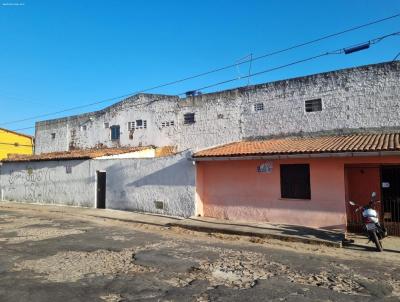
<point x="238" y="269"/>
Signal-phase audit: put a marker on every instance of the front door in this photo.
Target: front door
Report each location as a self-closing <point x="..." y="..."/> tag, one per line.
<point x="362" y="180"/>
<point x="391" y="193"/>
<point x="101" y="189"/>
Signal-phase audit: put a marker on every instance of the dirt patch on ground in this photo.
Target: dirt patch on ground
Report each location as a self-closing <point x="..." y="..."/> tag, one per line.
<point x="239" y="269"/>
<point x="37" y="234"/>
<point x="32" y="229"/>
<point x="72" y="266"/>
<point x="9" y="222"/>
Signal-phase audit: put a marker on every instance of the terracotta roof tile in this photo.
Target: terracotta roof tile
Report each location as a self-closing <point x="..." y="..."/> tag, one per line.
<point x="307" y="145"/>
<point x="74" y="154"/>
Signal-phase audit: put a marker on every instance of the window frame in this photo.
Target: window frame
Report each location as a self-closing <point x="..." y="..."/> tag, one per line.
<point x="257" y="107"/>
<point x="115" y="128"/>
<point x="318" y="106"/>
<point x="290" y="187"/>
<point x="189" y="118"/>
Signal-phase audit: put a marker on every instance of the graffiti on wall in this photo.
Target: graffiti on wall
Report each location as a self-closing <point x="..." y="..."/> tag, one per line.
<point x="34" y="185"/>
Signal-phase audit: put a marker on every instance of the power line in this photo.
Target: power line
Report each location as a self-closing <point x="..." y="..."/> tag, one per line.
<point x="396" y="57"/>
<point x="337" y="51"/>
<point x="334" y="52"/>
<point x="252" y="59"/>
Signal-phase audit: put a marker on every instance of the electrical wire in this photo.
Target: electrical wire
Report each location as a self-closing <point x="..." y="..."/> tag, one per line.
<point x="396" y="57"/>
<point x="252" y="59"/>
<point x="334" y="52"/>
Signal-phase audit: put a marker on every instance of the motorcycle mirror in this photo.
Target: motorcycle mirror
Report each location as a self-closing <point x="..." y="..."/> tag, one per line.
<point x="373" y="195"/>
<point x="352" y="203"/>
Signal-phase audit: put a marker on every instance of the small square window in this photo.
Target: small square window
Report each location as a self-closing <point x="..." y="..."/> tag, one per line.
<point x="188" y="118"/>
<point x="53" y="136"/>
<point x="172" y="123"/>
<point x="313" y="105"/>
<point x="259" y="107"/>
<point x="84" y="128"/>
<point x="106" y="125"/>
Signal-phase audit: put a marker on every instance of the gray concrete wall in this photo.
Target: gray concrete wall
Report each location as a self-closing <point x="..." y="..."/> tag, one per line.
<point x="363" y="97"/>
<point x="132" y="184"/>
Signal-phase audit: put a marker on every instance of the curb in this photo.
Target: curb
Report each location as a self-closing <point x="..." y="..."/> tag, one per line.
<point x="206" y="229"/>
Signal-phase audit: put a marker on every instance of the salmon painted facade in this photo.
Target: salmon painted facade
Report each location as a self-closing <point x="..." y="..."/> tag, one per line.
<point x="248" y="181"/>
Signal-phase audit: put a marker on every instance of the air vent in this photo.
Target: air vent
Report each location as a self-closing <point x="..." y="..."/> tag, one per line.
<point x="259" y="107"/>
<point x="159" y="205"/>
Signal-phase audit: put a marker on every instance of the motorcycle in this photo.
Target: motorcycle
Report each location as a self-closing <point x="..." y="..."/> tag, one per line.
<point x="375" y="231"/>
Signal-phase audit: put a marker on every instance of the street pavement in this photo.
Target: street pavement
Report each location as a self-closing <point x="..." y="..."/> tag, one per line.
<point x="69" y="256"/>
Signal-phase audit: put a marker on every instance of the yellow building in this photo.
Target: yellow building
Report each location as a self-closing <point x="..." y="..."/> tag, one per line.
<point x="14" y="143"/>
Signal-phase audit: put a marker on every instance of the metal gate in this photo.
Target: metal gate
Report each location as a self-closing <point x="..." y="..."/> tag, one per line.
<point x="390" y="202"/>
<point x="387" y="185"/>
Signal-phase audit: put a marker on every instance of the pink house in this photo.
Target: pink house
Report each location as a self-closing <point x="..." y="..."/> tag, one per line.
<point x="300" y="181"/>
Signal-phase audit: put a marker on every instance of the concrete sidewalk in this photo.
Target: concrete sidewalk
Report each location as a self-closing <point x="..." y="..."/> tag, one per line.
<point x="200" y="224"/>
<point x="263" y="230"/>
<point x="126" y="216"/>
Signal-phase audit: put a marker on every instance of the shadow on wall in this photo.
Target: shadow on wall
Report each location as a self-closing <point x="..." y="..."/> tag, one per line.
<point x="180" y="173"/>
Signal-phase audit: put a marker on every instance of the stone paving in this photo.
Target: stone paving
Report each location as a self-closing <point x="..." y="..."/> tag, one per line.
<point x="48" y="256"/>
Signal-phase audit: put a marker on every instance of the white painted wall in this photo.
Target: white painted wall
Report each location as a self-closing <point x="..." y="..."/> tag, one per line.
<point x="132" y="184"/>
<point x="363" y="97"/>
<point x="48" y="182"/>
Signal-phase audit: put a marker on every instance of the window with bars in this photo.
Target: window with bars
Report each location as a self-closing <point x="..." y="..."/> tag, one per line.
<point x="259" y="107"/>
<point x="138" y="124"/>
<point x="106" y="125"/>
<point x="188" y="118"/>
<point x="115" y="132"/>
<point x="295" y="181"/>
<point x="313" y="105"/>
<point x="167" y="124"/>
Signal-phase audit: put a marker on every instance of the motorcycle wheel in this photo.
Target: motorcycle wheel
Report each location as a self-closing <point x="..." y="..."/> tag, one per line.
<point x="375" y="239"/>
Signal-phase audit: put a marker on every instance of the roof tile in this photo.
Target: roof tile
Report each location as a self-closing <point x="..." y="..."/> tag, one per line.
<point x="307" y="145"/>
<point x="73" y="154"/>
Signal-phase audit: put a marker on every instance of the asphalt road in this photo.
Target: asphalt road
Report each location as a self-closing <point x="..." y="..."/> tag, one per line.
<point x="62" y="257"/>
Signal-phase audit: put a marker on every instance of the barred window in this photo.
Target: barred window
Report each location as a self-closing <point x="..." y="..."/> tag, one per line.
<point x="259" y="107"/>
<point x="313" y="105"/>
<point x="188" y="118"/>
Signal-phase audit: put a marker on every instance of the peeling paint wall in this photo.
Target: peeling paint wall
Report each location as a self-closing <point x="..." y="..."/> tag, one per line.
<point x="363" y="97"/>
<point x="132" y="184"/>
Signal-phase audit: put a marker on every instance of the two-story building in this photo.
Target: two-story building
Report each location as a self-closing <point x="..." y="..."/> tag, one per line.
<point x="294" y="150"/>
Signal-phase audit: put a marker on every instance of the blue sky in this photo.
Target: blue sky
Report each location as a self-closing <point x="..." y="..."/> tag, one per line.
<point x="60" y="54"/>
